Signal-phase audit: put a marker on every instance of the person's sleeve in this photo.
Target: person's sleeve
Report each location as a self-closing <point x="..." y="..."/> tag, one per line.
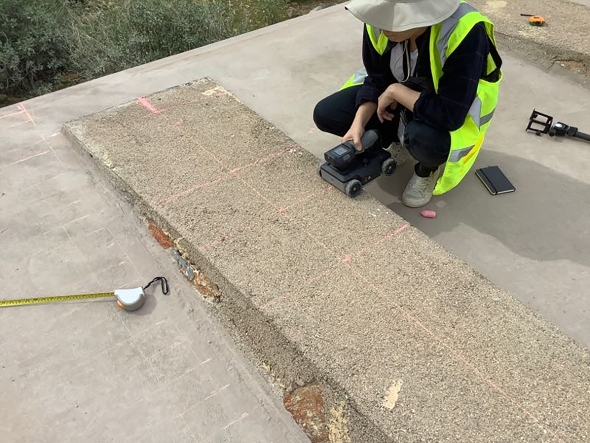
<point x="462" y="71"/>
<point x="378" y="71"/>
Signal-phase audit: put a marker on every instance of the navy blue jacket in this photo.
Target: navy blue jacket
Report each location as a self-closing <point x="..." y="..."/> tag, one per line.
<point x="447" y="109"/>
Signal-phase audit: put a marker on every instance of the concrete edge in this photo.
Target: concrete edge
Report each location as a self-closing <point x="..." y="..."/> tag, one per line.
<point x="318" y="404"/>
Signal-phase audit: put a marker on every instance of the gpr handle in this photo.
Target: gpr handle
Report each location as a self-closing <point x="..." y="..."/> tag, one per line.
<point x="369" y="138"/>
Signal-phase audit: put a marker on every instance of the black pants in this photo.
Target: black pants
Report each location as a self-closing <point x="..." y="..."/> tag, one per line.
<point x="429" y="146"/>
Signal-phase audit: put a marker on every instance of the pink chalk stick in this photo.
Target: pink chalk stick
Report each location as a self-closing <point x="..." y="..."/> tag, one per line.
<point x="428" y="214"/>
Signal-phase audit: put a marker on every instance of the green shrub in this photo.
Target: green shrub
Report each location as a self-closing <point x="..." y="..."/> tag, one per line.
<point x="47" y="44"/>
<point x="134" y="32"/>
<point x="34" y="38"/>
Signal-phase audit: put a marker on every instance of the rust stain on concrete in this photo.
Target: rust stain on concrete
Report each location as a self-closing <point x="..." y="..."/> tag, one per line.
<point x="161" y="237"/>
<point x="306" y="405"/>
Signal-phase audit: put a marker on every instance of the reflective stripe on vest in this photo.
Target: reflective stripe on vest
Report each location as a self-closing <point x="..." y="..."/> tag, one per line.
<point x="357" y="78"/>
<point x="378" y="39"/>
<point x="380" y="43"/>
<point x="447" y="27"/>
<point x="467" y="140"/>
<point x="458" y="154"/>
<point x="475" y="113"/>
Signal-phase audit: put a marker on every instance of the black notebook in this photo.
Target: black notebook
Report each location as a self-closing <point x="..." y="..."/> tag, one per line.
<point x="495" y="180"/>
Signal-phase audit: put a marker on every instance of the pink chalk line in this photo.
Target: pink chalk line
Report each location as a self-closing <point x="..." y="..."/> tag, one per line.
<point x="264" y="159"/>
<point x="11" y="114"/>
<point x="214" y="243"/>
<point x="322" y="275"/>
<point x="146" y="104"/>
<point x="234" y="171"/>
<point x="243" y="416"/>
<point x="28" y="158"/>
<point x="175" y="197"/>
<point x="349" y="257"/>
<point x="14" y="125"/>
<point x="55" y="154"/>
<point x="22" y="108"/>
<point x="211" y="395"/>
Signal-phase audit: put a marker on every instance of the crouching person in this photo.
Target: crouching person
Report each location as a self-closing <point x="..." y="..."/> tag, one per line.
<point x="429" y="85"/>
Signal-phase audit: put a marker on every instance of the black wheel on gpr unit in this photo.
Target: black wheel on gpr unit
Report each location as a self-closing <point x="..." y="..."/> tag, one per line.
<point x="353" y="188"/>
<point x="389" y="166"/>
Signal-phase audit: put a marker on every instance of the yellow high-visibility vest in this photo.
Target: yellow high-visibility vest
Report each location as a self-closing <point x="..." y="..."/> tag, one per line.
<point x="466" y="141"/>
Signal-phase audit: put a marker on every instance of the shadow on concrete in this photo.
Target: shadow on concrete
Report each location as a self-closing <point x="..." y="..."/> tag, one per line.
<point x="151" y="295"/>
<point x="533" y="222"/>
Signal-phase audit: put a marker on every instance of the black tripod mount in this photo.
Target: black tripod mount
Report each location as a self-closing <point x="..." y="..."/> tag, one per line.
<point x="540" y="123"/>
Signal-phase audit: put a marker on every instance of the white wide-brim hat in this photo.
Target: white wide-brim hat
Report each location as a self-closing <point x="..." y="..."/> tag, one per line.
<point x="402" y="15"/>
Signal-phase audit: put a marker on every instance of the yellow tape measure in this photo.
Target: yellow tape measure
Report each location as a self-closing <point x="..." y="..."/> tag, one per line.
<point x="127" y="299"/>
<point x="54" y="299"/>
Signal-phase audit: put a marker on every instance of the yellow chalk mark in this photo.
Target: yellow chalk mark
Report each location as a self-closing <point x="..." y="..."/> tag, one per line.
<point x="338" y="425"/>
<point x="393" y="394"/>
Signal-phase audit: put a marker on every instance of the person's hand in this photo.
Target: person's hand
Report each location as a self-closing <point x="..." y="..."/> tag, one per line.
<point x="355" y="133"/>
<point x="386" y="100"/>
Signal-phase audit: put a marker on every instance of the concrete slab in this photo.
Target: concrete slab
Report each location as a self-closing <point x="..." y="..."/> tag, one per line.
<point x="89" y="372"/>
<point x="395" y="321"/>
<point x="271" y="82"/>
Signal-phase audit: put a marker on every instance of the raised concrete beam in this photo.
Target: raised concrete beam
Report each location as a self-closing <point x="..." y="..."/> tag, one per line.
<point x="375" y="332"/>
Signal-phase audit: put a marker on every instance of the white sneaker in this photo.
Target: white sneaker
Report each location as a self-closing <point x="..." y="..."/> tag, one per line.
<point x="398" y="153"/>
<point x="418" y="191"/>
